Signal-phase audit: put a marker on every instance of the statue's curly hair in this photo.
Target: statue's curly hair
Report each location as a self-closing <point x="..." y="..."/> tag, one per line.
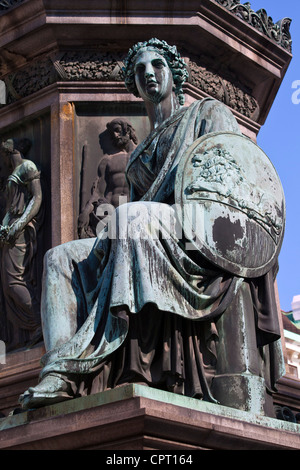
<point x="126" y="128"/>
<point x="176" y="63"/>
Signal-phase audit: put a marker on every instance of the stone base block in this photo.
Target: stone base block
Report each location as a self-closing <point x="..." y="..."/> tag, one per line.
<point x="243" y="391"/>
<point x="20" y="371"/>
<point x="136" y="417"/>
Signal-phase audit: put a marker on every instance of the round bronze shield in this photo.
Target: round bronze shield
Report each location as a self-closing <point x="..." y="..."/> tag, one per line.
<point x="231" y="203"/>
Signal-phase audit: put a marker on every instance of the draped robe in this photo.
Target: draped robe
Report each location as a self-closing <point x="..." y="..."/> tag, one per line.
<point x="18" y="273"/>
<point x="143" y="308"/>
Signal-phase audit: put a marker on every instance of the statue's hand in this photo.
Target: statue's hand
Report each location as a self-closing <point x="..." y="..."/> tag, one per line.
<point x="12" y="235"/>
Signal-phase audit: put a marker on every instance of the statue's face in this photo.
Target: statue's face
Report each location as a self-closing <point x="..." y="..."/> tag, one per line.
<point x="119" y="136"/>
<point x="153" y="76"/>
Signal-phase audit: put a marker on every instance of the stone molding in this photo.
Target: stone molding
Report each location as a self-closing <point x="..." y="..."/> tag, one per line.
<point x="107" y="66"/>
<point x="20" y="371"/>
<point x="278" y="32"/>
<point x="35" y="30"/>
<point x="64" y="67"/>
<point x="135" y="417"/>
<point x="224" y="86"/>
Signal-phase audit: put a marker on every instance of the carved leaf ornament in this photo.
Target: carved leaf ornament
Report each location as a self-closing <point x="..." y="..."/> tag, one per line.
<point x="279" y="32"/>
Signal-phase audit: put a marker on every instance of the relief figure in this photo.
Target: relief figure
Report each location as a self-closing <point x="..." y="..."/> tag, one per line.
<point x="110" y="184"/>
<point x="18" y="238"/>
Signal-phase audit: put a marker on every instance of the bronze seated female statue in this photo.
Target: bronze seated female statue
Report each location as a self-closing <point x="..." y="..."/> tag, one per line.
<point x="129" y="306"/>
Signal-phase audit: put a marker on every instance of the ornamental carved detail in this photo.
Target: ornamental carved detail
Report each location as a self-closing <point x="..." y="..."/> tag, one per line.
<point x="89" y="65"/>
<point x="284" y="413"/>
<point x="107" y="66"/>
<point x="278" y="32"/>
<point x="224" y="86"/>
<point x="69" y="66"/>
<point x="218" y="174"/>
<point x="30" y="79"/>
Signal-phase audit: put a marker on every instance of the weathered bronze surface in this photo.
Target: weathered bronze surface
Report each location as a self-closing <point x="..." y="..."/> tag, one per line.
<point x="233" y="203"/>
<point x="136" y="304"/>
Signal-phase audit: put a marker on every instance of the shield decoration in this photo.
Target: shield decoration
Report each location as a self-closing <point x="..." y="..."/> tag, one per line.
<point x="230" y="203"/>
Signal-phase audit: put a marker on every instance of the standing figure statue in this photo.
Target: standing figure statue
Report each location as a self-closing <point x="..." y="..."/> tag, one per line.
<point x="18" y="238"/>
<point x="136" y="304"/>
<point x="110" y="185"/>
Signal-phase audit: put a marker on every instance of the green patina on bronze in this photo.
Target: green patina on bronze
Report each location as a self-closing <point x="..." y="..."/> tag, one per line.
<point x="145" y="307"/>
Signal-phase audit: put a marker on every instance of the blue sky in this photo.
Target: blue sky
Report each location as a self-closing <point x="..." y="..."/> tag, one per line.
<point x="280" y="140"/>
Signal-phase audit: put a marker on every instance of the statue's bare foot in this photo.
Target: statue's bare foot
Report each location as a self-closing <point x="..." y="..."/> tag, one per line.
<point x="52" y="389"/>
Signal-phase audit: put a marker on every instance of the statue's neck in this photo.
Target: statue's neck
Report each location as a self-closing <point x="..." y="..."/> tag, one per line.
<point x="159" y="112"/>
<point x="16" y="159"/>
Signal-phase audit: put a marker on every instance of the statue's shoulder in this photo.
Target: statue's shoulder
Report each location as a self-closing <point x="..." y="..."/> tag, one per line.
<point x="206" y="105"/>
<point x="28" y="171"/>
<point x="213" y="116"/>
<point x="209" y="102"/>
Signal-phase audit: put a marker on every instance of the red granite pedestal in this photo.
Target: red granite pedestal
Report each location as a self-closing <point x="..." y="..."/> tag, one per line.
<point x="39" y="39"/>
<point x="135" y="417"/>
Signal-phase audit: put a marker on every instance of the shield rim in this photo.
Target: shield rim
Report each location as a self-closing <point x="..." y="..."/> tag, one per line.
<point x="218" y="261"/>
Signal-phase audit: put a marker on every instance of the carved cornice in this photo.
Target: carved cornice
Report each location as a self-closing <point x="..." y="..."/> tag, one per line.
<point x="30" y="79"/>
<point x="224" y="86"/>
<point x="278" y="32"/>
<point x="69" y="66"/>
<point x="89" y="65"/>
<point x="107" y="66"/>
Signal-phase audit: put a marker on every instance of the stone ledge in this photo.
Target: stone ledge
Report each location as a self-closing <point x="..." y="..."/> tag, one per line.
<point x="20" y="372"/>
<point x="35" y="30"/>
<point x="135" y="417"/>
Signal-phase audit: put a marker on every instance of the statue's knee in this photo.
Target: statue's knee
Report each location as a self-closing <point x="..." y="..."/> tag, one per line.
<point x="55" y="257"/>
